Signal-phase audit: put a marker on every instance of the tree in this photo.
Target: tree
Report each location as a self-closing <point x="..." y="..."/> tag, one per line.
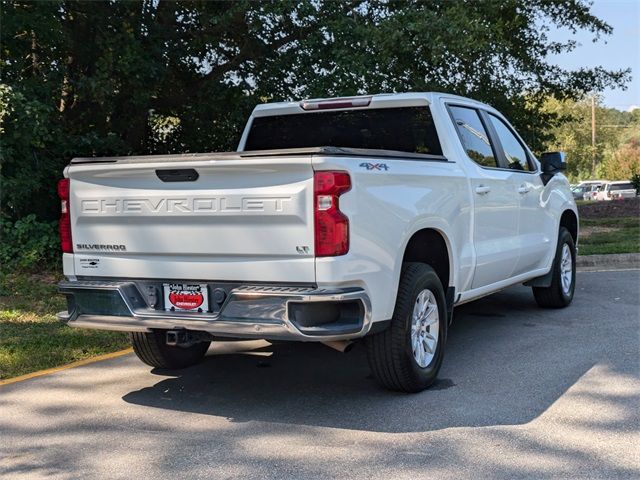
<point x="617" y="146"/>
<point x="623" y="162"/>
<point x="156" y="76"/>
<point x="635" y="180"/>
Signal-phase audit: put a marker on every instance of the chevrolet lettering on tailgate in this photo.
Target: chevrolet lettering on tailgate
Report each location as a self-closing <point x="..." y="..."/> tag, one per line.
<point x="184" y="205"/>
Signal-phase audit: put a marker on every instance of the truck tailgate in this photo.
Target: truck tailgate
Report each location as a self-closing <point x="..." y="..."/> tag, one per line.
<point x="242" y="219"/>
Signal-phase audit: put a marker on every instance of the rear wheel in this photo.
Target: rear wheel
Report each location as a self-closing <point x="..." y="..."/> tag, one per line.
<point x="563" y="281"/>
<point x="152" y="349"/>
<point x="407" y="356"/>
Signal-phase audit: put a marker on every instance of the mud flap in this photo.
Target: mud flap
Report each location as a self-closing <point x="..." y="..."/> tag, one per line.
<point x="450" y="296"/>
<point x="543" y="281"/>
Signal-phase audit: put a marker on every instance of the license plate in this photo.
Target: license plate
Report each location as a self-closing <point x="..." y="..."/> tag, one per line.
<point x="186" y="297"/>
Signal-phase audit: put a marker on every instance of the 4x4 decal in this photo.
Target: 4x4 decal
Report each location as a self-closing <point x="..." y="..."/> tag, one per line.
<point x="374" y="166"/>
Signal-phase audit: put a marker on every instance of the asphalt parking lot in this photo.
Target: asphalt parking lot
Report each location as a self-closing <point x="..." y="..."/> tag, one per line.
<point x="524" y="393"/>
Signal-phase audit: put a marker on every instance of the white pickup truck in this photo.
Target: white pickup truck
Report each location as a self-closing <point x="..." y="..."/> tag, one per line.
<point x="336" y="220"/>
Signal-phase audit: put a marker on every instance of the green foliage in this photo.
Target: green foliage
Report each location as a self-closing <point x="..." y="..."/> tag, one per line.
<point x="616" y="155"/>
<point x="28" y="244"/>
<point x="623" y="161"/>
<point x="635" y="179"/>
<point x="84" y="78"/>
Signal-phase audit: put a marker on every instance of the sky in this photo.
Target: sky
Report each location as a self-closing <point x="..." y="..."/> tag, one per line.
<point x="619" y="50"/>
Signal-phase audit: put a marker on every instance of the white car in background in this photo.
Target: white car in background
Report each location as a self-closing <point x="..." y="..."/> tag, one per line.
<point x="616" y="190"/>
<point x="592" y="190"/>
<point x="584" y="189"/>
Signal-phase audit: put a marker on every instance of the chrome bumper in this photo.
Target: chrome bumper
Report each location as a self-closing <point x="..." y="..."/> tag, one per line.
<point x="263" y="312"/>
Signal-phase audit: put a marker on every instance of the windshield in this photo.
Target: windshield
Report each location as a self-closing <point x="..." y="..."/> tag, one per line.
<point x="407" y="129"/>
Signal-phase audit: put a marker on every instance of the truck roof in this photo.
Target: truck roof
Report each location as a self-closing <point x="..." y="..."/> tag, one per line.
<point x="617" y="182"/>
<point x="380" y="100"/>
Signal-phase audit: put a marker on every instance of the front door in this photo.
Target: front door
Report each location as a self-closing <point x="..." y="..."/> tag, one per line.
<point x="537" y="229"/>
<point x="496" y="203"/>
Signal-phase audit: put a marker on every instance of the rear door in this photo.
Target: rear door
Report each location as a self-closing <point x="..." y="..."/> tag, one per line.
<point x="246" y="219"/>
<point x="496" y="203"/>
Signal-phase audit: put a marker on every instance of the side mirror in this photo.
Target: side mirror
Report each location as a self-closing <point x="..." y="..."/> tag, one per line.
<point x="553" y="162"/>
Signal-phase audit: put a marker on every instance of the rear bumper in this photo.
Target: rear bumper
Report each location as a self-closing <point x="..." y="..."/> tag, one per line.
<point x="269" y="312"/>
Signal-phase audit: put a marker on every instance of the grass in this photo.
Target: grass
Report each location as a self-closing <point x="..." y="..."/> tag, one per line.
<point x="609" y="235"/>
<point x="31" y="338"/>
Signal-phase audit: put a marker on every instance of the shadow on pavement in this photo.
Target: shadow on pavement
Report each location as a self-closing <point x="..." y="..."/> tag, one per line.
<point x="507" y="361"/>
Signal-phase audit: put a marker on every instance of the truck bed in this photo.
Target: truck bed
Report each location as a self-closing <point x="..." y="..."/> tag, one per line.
<point x="333" y="151"/>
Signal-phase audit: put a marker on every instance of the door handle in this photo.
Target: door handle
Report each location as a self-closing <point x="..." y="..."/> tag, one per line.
<point x="522" y="189"/>
<point x="178" y="175"/>
<point x="482" y="190"/>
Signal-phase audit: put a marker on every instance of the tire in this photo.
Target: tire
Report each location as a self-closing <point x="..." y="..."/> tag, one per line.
<point x="391" y="352"/>
<point x="152" y="349"/>
<point x="560" y="293"/>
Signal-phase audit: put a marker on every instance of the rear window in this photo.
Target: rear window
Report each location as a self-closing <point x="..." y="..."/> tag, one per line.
<point x="621" y="186"/>
<point x="407" y="129"/>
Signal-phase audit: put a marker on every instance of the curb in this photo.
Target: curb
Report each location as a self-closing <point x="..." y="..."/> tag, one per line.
<point x="78" y="363"/>
<point x="617" y="261"/>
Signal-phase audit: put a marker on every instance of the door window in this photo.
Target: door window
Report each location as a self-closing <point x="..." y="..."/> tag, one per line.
<point x="474" y="136"/>
<point x="621" y="186"/>
<point x="514" y="152"/>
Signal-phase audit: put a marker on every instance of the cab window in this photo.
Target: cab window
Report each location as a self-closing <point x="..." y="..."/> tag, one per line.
<point x="405" y="129"/>
<point x="474" y="136"/>
<point x="514" y="152"/>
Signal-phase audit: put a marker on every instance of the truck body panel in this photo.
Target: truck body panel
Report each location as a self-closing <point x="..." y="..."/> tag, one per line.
<point x="242" y="220"/>
<point x="386" y="208"/>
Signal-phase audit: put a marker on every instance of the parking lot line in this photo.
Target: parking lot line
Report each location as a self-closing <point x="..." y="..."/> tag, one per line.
<point x="79" y="363"/>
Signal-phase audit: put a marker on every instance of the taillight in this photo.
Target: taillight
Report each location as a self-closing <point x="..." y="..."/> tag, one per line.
<point x="65" y="217"/>
<point x="331" y="225"/>
<point x="334" y="103"/>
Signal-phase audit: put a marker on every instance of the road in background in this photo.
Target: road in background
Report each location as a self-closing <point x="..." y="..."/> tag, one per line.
<point x="523" y="393"/>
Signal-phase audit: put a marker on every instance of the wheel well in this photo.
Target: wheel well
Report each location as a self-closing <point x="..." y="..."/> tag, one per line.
<point x="570" y="222"/>
<point x="428" y="246"/>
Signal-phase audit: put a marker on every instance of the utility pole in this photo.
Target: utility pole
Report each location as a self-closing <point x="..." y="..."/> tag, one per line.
<point x="593" y="133"/>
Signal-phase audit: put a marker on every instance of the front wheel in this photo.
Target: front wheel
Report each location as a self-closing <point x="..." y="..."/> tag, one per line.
<point x="563" y="281"/>
<point x="407" y="356"/>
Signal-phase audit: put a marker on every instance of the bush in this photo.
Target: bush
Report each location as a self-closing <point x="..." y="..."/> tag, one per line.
<point x="29" y="245"/>
<point x="635" y="180"/>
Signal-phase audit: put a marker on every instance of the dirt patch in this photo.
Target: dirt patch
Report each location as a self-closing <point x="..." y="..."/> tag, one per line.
<point x="629" y="207"/>
<point x="586" y="232"/>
